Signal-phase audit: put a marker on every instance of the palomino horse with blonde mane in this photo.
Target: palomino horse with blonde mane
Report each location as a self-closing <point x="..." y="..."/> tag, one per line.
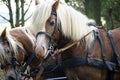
<point x="17" y="52"/>
<point x="87" y="53"/>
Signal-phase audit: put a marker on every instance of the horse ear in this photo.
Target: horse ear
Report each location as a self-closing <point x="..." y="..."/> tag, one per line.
<point x="55" y="5"/>
<point x="37" y="2"/>
<point x="3" y="35"/>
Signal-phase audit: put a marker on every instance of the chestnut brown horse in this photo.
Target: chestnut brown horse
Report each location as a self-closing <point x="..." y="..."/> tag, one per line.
<point x="16" y="46"/>
<point x="17" y="53"/>
<point x="91" y="53"/>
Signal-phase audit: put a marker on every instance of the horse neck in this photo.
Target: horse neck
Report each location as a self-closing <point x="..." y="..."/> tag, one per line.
<point x="83" y="45"/>
<point x="23" y="40"/>
<point x="33" y="30"/>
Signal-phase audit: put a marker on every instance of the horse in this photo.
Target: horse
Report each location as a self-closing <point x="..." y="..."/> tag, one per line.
<point x="87" y="52"/>
<point x="16" y="46"/>
<point x="17" y="53"/>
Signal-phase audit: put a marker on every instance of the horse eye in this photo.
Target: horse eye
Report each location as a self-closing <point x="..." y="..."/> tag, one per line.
<point x="5" y="43"/>
<point x="52" y="23"/>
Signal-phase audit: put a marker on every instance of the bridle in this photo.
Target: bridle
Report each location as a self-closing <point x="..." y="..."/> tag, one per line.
<point x="51" y="45"/>
<point x="13" y="62"/>
<point x="52" y="52"/>
<point x="52" y="42"/>
<point x="51" y="49"/>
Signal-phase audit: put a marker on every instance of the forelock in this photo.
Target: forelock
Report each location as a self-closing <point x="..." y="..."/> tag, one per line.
<point x="41" y="14"/>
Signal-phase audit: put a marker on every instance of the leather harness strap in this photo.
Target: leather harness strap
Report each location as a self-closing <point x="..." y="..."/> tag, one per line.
<point x="82" y="61"/>
<point x="28" y="61"/>
<point x="102" y="64"/>
<point x="103" y="50"/>
<point x="115" y="51"/>
<point x="99" y="63"/>
<point x="115" y="56"/>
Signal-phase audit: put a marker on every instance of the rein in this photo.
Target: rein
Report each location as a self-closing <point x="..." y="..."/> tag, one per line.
<point x="45" y="62"/>
<point x="51" y="52"/>
<point x="28" y="61"/>
<point x="70" y="45"/>
<point x="14" y="62"/>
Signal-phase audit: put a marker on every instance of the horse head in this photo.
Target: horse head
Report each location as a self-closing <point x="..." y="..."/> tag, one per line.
<point x="57" y="24"/>
<point x="55" y="21"/>
<point x="9" y="57"/>
<point x="49" y="32"/>
<point x="17" y="53"/>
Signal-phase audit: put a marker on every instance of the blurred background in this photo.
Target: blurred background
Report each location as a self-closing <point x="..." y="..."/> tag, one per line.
<point x="15" y="13"/>
<point x="104" y="12"/>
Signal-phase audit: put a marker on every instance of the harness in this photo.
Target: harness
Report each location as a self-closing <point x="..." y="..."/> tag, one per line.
<point x="97" y="62"/>
<point x="111" y="66"/>
<point x="78" y="61"/>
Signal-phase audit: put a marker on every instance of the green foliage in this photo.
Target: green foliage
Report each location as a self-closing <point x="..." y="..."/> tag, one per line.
<point x="111" y="13"/>
<point x="89" y="7"/>
<point x="110" y="10"/>
<point x="77" y="4"/>
<point x="66" y="0"/>
<point x="1" y="74"/>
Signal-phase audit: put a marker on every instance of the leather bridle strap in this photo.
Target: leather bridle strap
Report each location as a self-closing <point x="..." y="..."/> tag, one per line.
<point x="29" y="60"/>
<point x="52" y="57"/>
<point x="47" y="34"/>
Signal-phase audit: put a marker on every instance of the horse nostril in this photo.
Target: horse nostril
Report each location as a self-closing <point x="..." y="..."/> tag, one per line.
<point x="40" y="51"/>
<point x="11" y="78"/>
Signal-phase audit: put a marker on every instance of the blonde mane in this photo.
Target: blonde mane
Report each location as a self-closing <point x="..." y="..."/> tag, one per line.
<point x="74" y="24"/>
<point x="40" y="16"/>
<point x="30" y="35"/>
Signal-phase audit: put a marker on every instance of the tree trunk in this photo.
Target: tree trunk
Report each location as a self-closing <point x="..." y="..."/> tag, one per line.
<point x="93" y="10"/>
<point x="17" y="13"/>
<point x="22" y="13"/>
<point x="10" y="14"/>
